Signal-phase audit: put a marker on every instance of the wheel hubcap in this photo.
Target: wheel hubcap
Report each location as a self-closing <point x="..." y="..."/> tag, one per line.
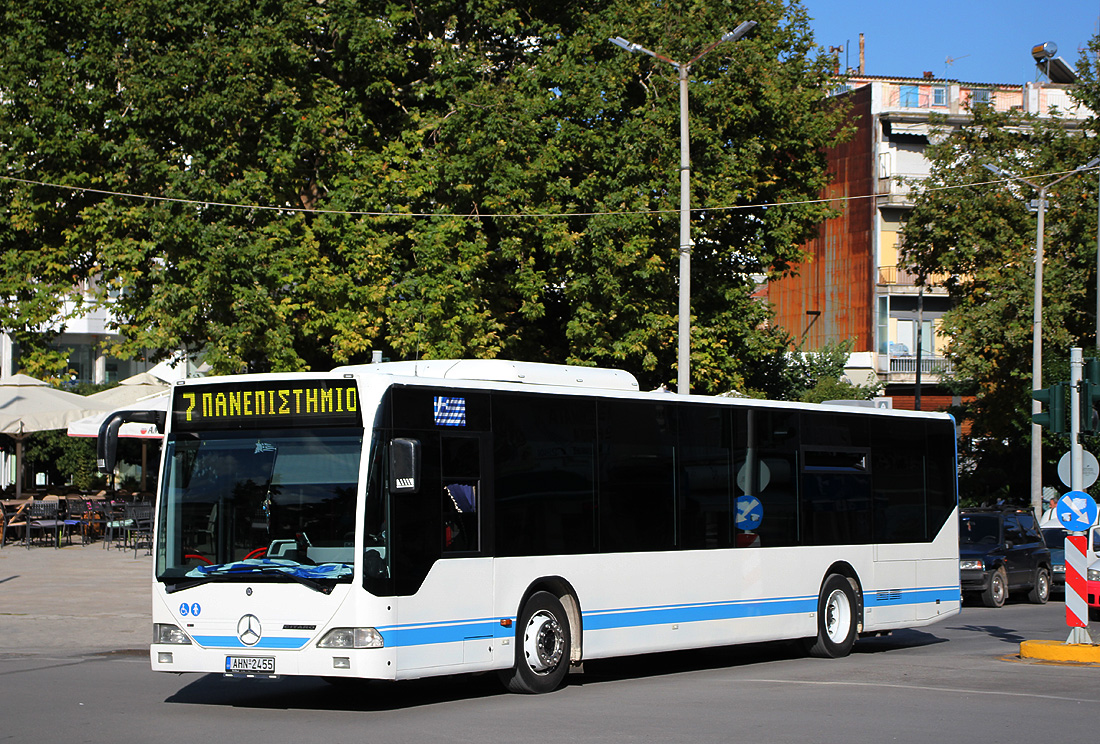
<point x="543" y="641"/>
<point x="838" y="616"/>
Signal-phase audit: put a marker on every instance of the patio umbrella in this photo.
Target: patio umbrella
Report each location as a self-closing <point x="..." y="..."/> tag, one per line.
<point x="129" y="390"/>
<point x="89" y="425"/>
<point x="28" y="405"/>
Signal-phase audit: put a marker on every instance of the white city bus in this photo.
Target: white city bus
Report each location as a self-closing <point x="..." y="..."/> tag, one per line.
<point x="402" y="520"/>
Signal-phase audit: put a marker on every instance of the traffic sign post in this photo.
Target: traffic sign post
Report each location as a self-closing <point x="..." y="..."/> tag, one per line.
<point x="1076" y="364"/>
<point x="1076" y="512"/>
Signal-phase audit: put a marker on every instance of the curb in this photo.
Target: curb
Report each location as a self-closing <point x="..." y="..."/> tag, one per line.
<point x="1079" y="653"/>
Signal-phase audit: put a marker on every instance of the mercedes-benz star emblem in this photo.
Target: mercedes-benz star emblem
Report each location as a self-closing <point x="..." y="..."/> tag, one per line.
<point x="249" y="630"/>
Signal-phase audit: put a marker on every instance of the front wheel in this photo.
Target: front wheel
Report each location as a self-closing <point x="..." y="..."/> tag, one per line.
<point x="836" y="619"/>
<point x="1040" y="591"/>
<point x="543" y="646"/>
<point x="997" y="591"/>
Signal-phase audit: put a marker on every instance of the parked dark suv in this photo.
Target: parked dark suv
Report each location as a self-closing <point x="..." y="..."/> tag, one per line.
<point x="1002" y="551"/>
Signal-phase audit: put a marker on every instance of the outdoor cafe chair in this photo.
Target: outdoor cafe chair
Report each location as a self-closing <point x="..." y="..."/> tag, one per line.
<point x="73" y="517"/>
<point x="137" y="517"/>
<point x="16" y="519"/>
<point x="141" y="533"/>
<point x="5" y="518"/>
<point x="42" y="516"/>
<point x="115" y="521"/>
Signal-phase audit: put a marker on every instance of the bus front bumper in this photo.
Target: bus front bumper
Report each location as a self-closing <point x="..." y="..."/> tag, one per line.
<point x="371" y="663"/>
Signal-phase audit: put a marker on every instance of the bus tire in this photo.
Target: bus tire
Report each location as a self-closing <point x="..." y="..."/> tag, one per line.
<point x="542" y="647"/>
<point x="836" y="619"/>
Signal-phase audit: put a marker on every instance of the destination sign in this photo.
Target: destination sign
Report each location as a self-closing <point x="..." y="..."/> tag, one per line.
<point x="279" y="403"/>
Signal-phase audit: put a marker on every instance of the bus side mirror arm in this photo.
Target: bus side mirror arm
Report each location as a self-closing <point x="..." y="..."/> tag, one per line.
<point x="106" y="443"/>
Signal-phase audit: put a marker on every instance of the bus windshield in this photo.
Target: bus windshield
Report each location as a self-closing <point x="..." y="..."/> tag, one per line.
<point x="274" y="504"/>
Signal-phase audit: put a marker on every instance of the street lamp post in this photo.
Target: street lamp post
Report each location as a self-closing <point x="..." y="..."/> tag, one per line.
<point x="683" y="354"/>
<point x="1037" y="325"/>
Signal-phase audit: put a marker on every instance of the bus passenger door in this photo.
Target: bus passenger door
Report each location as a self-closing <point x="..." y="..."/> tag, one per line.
<point x="450" y="615"/>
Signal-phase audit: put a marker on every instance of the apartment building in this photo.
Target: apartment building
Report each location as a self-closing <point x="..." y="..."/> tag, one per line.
<point x="87" y="336"/>
<point x="854" y="286"/>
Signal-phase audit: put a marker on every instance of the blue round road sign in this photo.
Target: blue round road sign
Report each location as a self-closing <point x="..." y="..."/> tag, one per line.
<point x="750" y="512"/>
<point x="1076" y="511"/>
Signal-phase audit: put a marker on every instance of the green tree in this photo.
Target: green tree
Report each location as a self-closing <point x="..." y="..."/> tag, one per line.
<point x="435" y="179"/>
<point x="978" y="230"/>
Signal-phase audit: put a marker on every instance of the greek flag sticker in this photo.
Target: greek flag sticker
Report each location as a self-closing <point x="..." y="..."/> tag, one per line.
<point x="450" y="411"/>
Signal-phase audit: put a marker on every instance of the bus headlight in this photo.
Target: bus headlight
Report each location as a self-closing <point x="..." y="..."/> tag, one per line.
<point x="351" y="638"/>
<point x="168" y="633"/>
<point x="1094" y="574"/>
<point x="971" y="564"/>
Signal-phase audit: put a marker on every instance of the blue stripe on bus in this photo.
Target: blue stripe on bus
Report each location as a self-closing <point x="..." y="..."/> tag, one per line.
<point x="427" y="633"/>
<point x="235" y="642"/>
<point x="635" y="617"/>
<point x="916" y="595"/>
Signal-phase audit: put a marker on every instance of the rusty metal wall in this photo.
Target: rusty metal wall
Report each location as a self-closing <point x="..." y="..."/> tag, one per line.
<point x="838" y="280"/>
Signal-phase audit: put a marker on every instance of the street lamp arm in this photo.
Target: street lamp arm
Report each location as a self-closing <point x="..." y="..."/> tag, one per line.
<point x="1087" y="166"/>
<point x="733" y="35"/>
<point x="1012" y="176"/>
<point x="633" y="48"/>
<point x="1005" y="174"/>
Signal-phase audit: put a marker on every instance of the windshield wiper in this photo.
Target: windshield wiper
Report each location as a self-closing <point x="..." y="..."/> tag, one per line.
<point x="190" y="582"/>
<point x="289" y="569"/>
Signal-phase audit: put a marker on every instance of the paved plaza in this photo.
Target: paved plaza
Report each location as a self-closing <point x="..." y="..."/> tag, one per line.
<point x="77" y="599"/>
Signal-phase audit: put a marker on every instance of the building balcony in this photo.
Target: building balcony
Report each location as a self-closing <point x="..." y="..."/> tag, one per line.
<point x="902" y="280"/>
<point x="902" y="369"/>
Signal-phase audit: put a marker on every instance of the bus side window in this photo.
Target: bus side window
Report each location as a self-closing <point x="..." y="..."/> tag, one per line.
<point x="460" y="470"/>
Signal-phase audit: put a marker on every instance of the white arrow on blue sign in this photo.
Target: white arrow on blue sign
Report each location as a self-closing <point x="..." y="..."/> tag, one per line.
<point x="1076" y="511"/>
<point x="750" y="512"/>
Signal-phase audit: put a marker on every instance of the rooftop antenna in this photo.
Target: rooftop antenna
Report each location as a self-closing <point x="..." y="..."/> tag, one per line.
<point x="950" y="61"/>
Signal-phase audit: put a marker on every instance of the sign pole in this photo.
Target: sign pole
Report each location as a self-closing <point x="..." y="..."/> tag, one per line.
<point x="1076" y="364"/>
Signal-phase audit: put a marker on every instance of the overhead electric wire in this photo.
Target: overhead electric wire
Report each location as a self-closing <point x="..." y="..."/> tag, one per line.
<point x="479" y="215"/>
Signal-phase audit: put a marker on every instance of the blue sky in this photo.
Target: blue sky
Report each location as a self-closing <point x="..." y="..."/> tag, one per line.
<point x="989" y="40"/>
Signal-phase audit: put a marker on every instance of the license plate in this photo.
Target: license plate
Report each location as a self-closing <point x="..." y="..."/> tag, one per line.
<point x="250" y="664"/>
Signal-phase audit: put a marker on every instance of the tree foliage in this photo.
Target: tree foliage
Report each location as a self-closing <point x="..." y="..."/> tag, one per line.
<point x="977" y="228"/>
<point x="436" y="178"/>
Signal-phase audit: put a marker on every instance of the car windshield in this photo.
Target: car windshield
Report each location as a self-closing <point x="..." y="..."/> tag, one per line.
<point x="975" y="529"/>
<point x="1054" y="537"/>
<point x="271" y="504"/>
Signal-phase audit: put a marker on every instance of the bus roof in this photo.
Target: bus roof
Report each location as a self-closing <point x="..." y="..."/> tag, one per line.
<point x="501" y="370"/>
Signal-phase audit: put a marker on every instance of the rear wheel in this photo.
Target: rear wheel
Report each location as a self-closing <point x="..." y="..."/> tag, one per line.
<point x="997" y="591"/>
<point x="542" y="646"/>
<point x="1040" y="591"/>
<point x="836" y="619"/>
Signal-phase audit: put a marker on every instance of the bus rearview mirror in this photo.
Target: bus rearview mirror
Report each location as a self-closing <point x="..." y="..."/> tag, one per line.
<point x="404" y="465"/>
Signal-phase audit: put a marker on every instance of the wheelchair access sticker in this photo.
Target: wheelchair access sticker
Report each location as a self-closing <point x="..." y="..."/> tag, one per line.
<point x="192" y="609"/>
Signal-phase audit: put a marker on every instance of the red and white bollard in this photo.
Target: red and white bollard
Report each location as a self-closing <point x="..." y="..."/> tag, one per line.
<point x="1077" y="608"/>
